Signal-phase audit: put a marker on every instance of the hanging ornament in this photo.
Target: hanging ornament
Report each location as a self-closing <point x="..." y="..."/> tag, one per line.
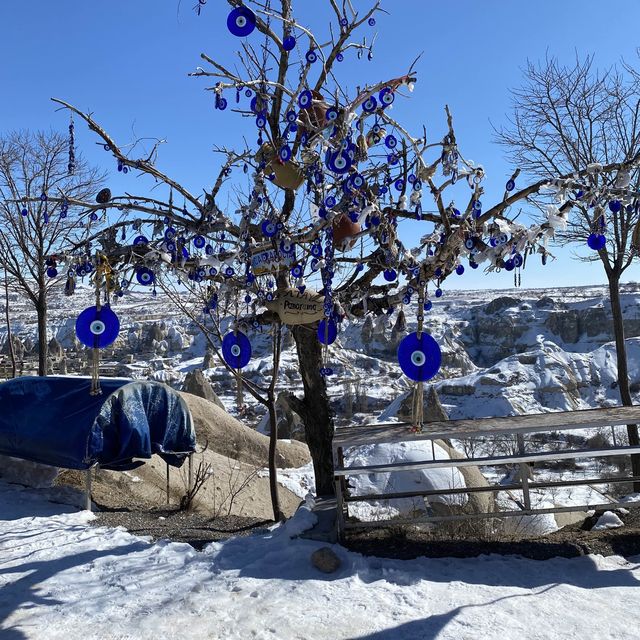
<point x="419" y="357"/>
<point x="104" y="196"/>
<point x="241" y="22"/>
<point x="236" y="349"/>
<point x="386" y="97"/>
<point x="269" y="228"/>
<point x="71" y="166"/>
<point x="145" y="276"/>
<point x="305" y="99"/>
<point x="370" y="105"/>
<point x="97" y="328"/>
<point x="327" y="331"/>
<point x="390" y="275"/>
<point x="199" y="242"/>
<point x="615" y="206"/>
<point x="70" y="285"/>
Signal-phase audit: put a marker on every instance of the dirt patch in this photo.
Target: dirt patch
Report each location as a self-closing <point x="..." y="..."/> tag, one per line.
<point x="571" y="541"/>
<point x="193" y="528"/>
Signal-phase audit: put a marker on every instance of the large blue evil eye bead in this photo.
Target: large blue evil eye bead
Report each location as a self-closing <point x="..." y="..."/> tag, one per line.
<point x="241" y="21"/>
<point x="419" y="357"/>
<point x="236" y="350"/>
<point x="97" y="328"/>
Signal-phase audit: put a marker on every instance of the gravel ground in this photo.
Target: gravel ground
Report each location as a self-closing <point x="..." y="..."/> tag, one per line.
<point x="193" y="528"/>
<point x="571" y="541"/>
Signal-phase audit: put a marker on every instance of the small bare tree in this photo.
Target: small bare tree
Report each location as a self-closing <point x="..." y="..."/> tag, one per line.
<point x="38" y="180"/>
<point x="570" y="118"/>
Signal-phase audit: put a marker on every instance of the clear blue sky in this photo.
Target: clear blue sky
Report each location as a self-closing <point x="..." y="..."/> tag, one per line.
<point x="127" y="61"/>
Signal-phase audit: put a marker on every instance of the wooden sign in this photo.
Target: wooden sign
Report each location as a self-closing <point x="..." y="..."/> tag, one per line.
<point x="294" y="307"/>
<point x="269" y="260"/>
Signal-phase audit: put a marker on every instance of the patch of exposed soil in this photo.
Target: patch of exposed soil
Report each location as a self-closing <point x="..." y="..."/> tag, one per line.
<point x="571" y="541"/>
<point x="196" y="529"/>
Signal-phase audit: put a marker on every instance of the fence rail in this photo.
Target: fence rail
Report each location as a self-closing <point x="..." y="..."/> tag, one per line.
<point x="522" y="457"/>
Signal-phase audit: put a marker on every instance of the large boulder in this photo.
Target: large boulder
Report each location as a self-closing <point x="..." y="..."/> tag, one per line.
<point x="230" y="488"/>
<point x="196" y="384"/>
<point x="225" y="435"/>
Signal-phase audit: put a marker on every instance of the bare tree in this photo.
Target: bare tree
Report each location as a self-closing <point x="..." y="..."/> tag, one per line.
<point x="568" y="118"/>
<point x="332" y="175"/>
<point x="191" y="302"/>
<point x="37" y="218"/>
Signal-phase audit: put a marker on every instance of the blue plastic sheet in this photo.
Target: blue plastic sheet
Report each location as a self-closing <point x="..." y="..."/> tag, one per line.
<point x="55" y="421"/>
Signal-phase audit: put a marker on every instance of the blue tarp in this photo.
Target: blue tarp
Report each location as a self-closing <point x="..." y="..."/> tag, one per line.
<point x="55" y="421"/>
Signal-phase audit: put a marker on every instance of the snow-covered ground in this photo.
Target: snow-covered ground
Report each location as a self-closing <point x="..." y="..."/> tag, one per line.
<point x="63" y="579"/>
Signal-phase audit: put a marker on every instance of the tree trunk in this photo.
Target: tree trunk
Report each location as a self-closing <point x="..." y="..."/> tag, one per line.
<point x="43" y="345"/>
<point x="314" y="409"/>
<point x="623" y="370"/>
<point x="12" y="352"/>
<point x="273" y="471"/>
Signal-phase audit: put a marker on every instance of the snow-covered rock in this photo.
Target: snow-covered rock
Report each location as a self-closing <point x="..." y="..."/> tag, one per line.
<point x="608" y="520"/>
